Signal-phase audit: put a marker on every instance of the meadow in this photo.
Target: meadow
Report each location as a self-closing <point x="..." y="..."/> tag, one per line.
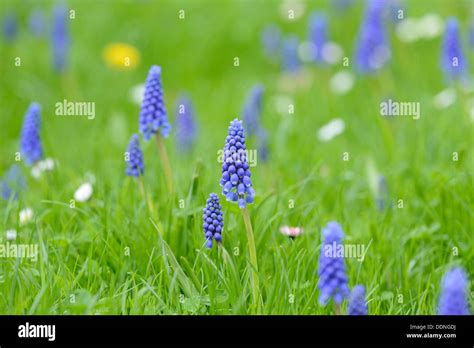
<point x="398" y="186"/>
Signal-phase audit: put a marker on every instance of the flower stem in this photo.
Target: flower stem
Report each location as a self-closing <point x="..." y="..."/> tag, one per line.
<point x="145" y="197"/>
<point x="337" y="309"/>
<point x="149" y="203"/>
<point x="253" y="260"/>
<point x="166" y="162"/>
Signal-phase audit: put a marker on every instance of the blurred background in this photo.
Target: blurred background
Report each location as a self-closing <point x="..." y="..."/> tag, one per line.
<point x="317" y="107"/>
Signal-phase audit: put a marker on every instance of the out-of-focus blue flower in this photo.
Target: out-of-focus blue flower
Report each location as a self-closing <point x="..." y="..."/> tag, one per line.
<point x="135" y="166"/>
<point x="185" y="124"/>
<point x="290" y="59"/>
<point x="318" y="36"/>
<point x="10" y="27"/>
<point x="262" y="140"/>
<point x="236" y="183"/>
<point x="357" y="302"/>
<point x="252" y="120"/>
<point x="382" y="193"/>
<point x="36" y="22"/>
<point x="253" y="109"/>
<point x="332" y="271"/>
<point x="271" y="39"/>
<point x="30" y="141"/>
<point x="372" y="50"/>
<point x="453" y="63"/>
<point x="395" y="6"/>
<point x="454" y="293"/>
<point x="60" y="38"/>
<point x="12" y="183"/>
<point x="342" y="5"/>
<point x="212" y="220"/>
<point x="153" y="116"/>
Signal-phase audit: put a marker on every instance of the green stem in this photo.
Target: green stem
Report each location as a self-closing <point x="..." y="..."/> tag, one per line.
<point x="145" y="197"/>
<point x="149" y="203"/>
<point x="166" y="163"/>
<point x="253" y="260"/>
<point x="337" y="309"/>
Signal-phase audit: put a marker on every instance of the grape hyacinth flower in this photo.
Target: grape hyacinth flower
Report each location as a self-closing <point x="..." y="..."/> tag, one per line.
<point x="135" y="167"/>
<point x="262" y="140"/>
<point x="290" y="60"/>
<point x="134" y="158"/>
<point x="382" y="193"/>
<point x="372" y="51"/>
<point x="357" y="302"/>
<point x="10" y="27"/>
<point x="60" y="38"/>
<point x="271" y="39"/>
<point x="332" y="271"/>
<point x="30" y="142"/>
<point x="342" y="5"/>
<point x="36" y="23"/>
<point x="453" y="62"/>
<point x="12" y="183"/>
<point x="454" y="293"/>
<point x="212" y="220"/>
<point x="153" y="118"/>
<point x="185" y="124"/>
<point x="317" y="36"/>
<point x="237" y="187"/>
<point x="236" y="183"/>
<point x="253" y="109"/>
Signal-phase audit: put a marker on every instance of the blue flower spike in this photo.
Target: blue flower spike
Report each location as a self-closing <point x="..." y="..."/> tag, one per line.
<point x="135" y="166"/>
<point x="185" y="124"/>
<point x="153" y="119"/>
<point x="30" y="141"/>
<point x="212" y="220"/>
<point x="252" y="110"/>
<point x="60" y="38"/>
<point x="332" y="272"/>
<point x="454" y="293"/>
<point x="372" y="51"/>
<point x="235" y="181"/>
<point x="357" y="301"/>
<point x="453" y="62"/>
<point x="153" y="116"/>
<point x="318" y="36"/>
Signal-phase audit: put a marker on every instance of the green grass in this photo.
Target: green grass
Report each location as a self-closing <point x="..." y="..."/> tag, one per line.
<point x="106" y="255"/>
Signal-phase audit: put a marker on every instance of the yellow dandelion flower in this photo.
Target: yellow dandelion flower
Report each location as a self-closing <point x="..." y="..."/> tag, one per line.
<point x="121" y="56"/>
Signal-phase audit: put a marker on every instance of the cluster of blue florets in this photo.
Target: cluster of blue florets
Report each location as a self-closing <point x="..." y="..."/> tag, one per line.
<point x="30" y="141"/>
<point x="212" y="220"/>
<point x="235" y="181"/>
<point x="135" y="166"/>
<point x="332" y="272"/>
<point x="153" y="116"/>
